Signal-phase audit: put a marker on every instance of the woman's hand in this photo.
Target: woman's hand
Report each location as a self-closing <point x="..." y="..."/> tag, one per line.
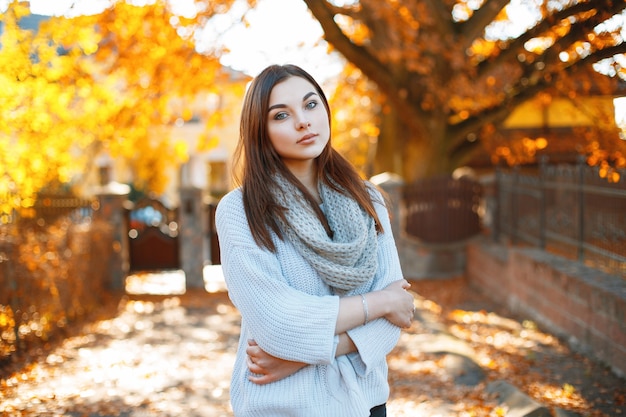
<point x="267" y="368"/>
<point x="400" y="303"/>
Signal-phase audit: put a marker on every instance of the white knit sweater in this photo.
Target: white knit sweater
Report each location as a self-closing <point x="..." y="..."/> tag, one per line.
<point x="288" y="310"/>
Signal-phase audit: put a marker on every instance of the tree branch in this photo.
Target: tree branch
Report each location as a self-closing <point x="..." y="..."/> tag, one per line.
<point x="605" y="53"/>
<point x="381" y="74"/>
<point x="499" y="113"/>
<point x="475" y="26"/>
<point x="441" y="14"/>
<point x="496" y="115"/>
<point x="517" y="45"/>
<point x="578" y="31"/>
<point x="464" y="152"/>
<point x="359" y="56"/>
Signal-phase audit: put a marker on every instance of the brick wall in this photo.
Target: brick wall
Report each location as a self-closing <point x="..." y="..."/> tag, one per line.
<point x="581" y="305"/>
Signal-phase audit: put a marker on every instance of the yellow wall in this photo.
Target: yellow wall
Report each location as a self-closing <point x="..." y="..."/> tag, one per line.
<point x="561" y="112"/>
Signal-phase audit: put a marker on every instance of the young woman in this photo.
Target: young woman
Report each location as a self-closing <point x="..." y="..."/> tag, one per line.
<point x="310" y="262"/>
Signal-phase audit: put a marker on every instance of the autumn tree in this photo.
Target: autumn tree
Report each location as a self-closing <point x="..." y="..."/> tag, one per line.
<point x="356" y="105"/>
<point x="452" y="71"/>
<point x="105" y="83"/>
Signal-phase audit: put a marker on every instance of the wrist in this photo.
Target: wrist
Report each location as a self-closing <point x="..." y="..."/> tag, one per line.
<point x="345" y="345"/>
<point x="377" y="304"/>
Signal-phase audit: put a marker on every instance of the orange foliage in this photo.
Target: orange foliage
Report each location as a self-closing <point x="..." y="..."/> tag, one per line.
<point x="43" y="280"/>
<point x="355" y="105"/>
<point x="450" y="68"/>
<point x="101" y="83"/>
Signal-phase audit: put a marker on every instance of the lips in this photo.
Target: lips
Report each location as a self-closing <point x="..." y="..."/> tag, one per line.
<point x="306" y="138"/>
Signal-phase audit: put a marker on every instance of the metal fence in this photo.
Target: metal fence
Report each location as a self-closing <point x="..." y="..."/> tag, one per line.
<point x="569" y="210"/>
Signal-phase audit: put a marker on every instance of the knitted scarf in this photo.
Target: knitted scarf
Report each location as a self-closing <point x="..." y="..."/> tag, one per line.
<point x="348" y="259"/>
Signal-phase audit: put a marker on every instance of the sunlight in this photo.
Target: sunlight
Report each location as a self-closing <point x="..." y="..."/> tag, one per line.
<point x="156" y="283"/>
<point x="565" y="395"/>
<point x="214" y="279"/>
<point x="270" y="37"/>
<point x="620" y="114"/>
<point x="165" y="368"/>
<point x="68" y="7"/>
<point x="173" y="282"/>
<point x="521" y="16"/>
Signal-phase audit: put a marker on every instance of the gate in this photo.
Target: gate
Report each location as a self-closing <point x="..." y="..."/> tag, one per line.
<point x="153" y="236"/>
<point x="442" y="209"/>
<point x="214" y="243"/>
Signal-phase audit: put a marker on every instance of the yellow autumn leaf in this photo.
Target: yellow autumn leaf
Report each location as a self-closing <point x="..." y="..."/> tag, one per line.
<point x="181" y="151"/>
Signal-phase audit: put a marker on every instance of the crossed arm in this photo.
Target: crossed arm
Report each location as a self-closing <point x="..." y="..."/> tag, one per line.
<point x="393" y="303"/>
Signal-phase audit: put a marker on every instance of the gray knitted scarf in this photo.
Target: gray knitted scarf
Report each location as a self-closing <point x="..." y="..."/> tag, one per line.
<point x="348" y="259"/>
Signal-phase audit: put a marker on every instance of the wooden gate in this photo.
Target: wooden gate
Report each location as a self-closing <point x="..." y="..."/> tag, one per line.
<point x="153" y="236"/>
<point x="442" y="209"/>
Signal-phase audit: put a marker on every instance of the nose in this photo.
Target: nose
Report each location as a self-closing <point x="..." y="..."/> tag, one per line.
<point x="302" y="123"/>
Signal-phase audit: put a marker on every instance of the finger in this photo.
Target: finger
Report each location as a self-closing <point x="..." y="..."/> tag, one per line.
<point x="253" y="360"/>
<point x="261" y="379"/>
<point x="253" y="350"/>
<point x="254" y="368"/>
<point x="252" y="342"/>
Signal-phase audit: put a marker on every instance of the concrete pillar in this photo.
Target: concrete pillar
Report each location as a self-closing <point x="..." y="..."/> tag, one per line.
<point x="112" y="198"/>
<point x="193" y="235"/>
<point x="392" y="184"/>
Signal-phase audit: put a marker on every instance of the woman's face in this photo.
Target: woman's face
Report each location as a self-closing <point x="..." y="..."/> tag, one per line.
<point x="297" y="122"/>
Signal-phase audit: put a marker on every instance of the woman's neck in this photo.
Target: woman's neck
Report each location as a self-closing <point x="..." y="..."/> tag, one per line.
<point x="307" y="175"/>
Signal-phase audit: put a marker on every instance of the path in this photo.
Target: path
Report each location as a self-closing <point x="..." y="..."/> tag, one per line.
<point x="172" y="356"/>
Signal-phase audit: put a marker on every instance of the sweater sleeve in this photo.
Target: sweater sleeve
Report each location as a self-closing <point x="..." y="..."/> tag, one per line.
<point x="375" y="340"/>
<point x="285" y="322"/>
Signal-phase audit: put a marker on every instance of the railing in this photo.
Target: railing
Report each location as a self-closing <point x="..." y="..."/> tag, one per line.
<point x="568" y="210"/>
<point x="49" y="208"/>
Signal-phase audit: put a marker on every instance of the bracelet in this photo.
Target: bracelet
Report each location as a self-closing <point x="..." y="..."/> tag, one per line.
<point x="365" y="309"/>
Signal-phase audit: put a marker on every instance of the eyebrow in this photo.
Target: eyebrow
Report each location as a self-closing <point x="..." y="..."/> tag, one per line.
<point x="278" y="106"/>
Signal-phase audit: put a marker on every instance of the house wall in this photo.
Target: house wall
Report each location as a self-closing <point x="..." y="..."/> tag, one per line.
<point x="583" y="306"/>
<point x="560" y="112"/>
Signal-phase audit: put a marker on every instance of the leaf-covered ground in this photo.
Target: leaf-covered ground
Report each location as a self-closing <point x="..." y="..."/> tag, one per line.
<point x="172" y="356"/>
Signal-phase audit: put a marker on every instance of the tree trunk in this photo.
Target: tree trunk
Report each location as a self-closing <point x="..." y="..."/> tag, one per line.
<point x="388" y="156"/>
<point x="409" y="153"/>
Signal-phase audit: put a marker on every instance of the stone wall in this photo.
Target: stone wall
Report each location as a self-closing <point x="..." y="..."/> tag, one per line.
<point x="581" y="305"/>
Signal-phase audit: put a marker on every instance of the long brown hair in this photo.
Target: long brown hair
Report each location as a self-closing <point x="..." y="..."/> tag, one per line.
<point x="259" y="162"/>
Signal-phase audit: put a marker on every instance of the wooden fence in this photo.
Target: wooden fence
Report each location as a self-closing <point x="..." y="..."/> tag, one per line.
<point x="569" y="210"/>
<point x="52" y="269"/>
